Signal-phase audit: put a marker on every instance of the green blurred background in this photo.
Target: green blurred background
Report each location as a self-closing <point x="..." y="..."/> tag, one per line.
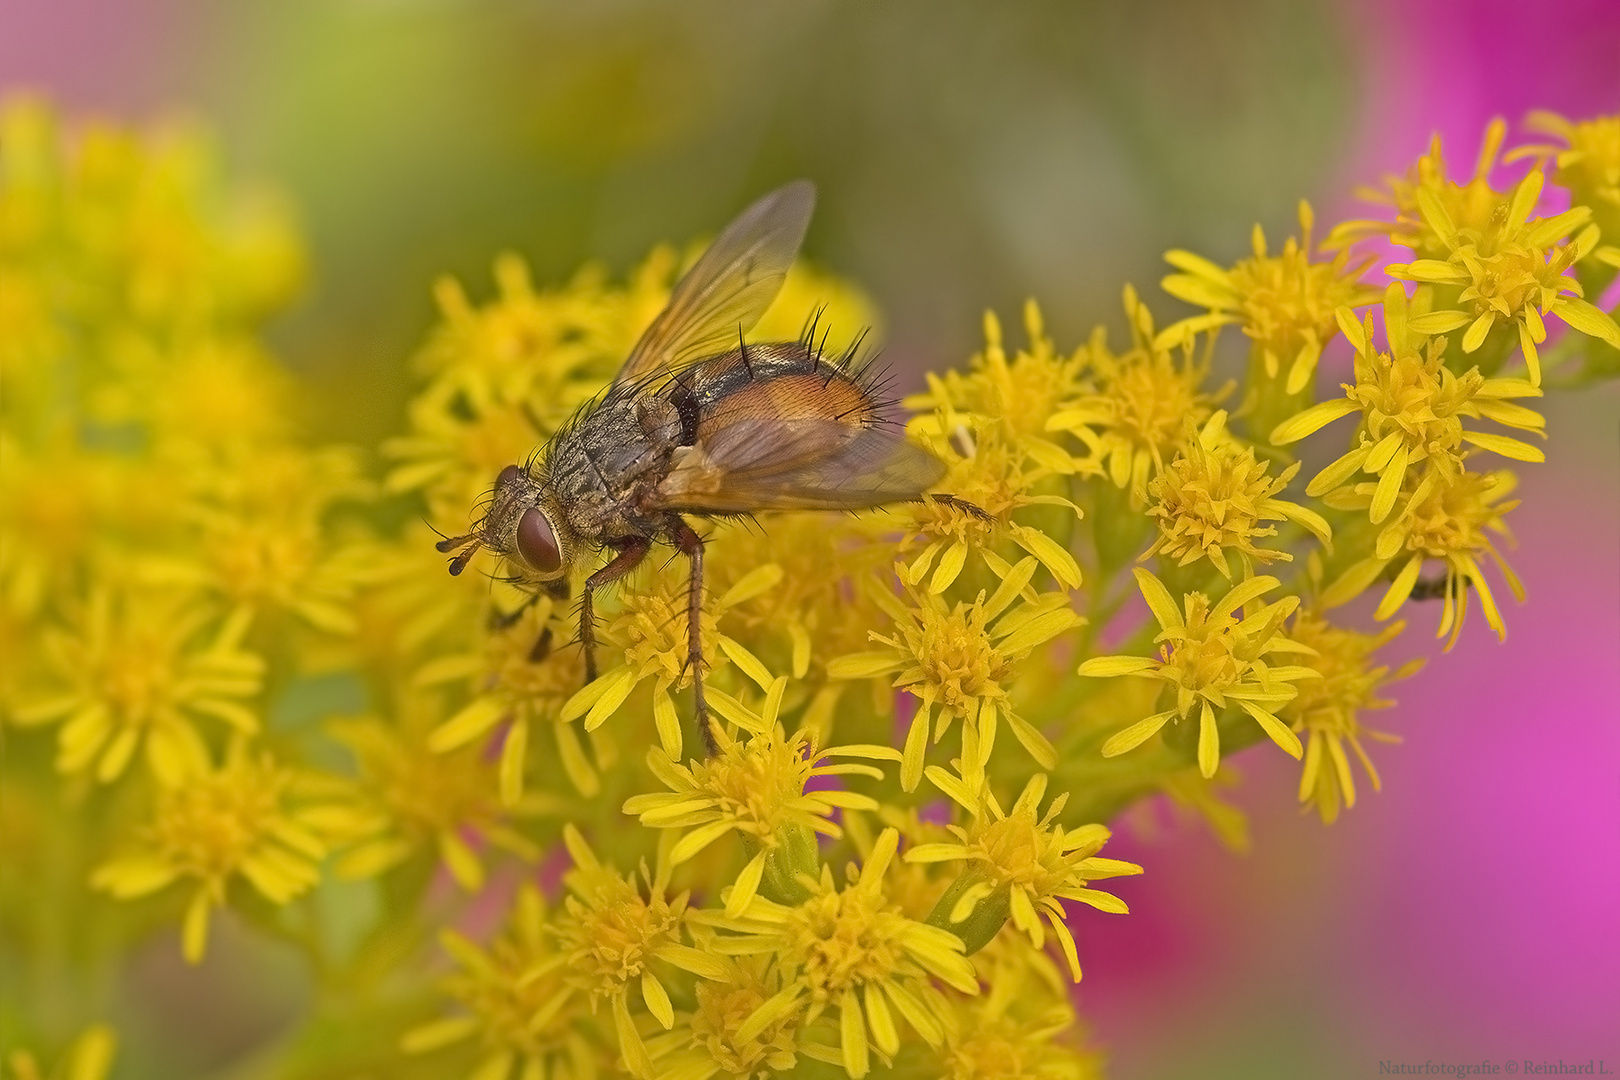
<point x="969" y="155"/>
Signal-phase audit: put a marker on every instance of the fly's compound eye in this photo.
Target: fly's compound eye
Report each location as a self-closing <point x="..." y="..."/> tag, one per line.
<point x="536" y="543"/>
<point x="508" y="474"/>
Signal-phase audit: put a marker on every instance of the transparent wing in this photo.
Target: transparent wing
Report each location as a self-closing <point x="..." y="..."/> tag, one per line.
<point x="729" y="288"/>
<point x="799" y="464"/>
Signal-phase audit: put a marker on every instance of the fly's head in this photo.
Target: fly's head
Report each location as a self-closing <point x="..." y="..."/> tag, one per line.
<point x="522" y="523"/>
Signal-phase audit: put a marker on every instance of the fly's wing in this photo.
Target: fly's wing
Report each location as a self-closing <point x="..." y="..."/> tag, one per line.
<point x="729" y="288"/>
<point x="797" y="464"/>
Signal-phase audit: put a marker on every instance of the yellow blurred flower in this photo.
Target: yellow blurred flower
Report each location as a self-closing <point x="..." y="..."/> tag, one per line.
<point x="410" y="799"/>
<point x="520" y="679"/>
<point x="725" y="1002"/>
<point x="1284" y="302"/>
<point x="88" y="1057"/>
<point x="140" y="667"/>
<point x="1588" y="162"/>
<point x="515" y="997"/>
<point x="232" y="822"/>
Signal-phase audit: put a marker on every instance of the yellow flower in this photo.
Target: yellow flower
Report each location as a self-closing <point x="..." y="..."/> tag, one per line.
<point x="989" y="426"/>
<point x="1215" y="496"/>
<point x="1137" y="416"/>
<point x="1327" y="709"/>
<point x="1588" y="162"/>
<point x="410" y="797"/>
<point x="141" y="667"/>
<point x="515" y="996"/>
<point x="1412" y="407"/>
<point x="88" y="1057"/>
<point x="1018" y="395"/>
<point x="1213" y="655"/>
<point x="1020" y="863"/>
<point x="1446" y="518"/>
<point x="724" y="1005"/>
<point x="234" y="821"/>
<point x="610" y="935"/>
<point x="651" y="629"/>
<point x="1023" y="1027"/>
<point x="1491" y="260"/>
<point x="521" y="678"/>
<point x="962" y="658"/>
<point x="1284" y="302"/>
<point x="852" y="951"/>
<point x="756" y="788"/>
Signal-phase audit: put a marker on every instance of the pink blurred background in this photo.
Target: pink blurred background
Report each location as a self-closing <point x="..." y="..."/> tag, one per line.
<point x="1470" y="911"/>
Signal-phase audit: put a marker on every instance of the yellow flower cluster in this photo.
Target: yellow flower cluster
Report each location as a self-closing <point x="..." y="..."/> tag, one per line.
<point x="237" y="690"/>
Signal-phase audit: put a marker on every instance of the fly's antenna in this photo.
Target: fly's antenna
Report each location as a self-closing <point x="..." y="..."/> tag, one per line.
<point x="469" y="545"/>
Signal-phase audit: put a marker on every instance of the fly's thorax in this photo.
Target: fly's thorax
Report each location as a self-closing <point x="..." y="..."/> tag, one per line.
<point x="600" y="468"/>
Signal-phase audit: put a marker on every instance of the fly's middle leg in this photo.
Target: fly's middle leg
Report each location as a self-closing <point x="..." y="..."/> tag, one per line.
<point x="631" y="551"/>
<point x="691" y="544"/>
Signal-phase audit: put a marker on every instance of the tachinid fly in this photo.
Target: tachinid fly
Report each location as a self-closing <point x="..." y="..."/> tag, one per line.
<point x="699" y="424"/>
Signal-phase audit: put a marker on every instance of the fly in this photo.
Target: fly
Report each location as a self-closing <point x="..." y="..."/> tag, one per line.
<point x="700" y="424"/>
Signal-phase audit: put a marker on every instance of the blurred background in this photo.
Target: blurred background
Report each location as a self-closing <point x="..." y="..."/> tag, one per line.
<point x="970" y="155"/>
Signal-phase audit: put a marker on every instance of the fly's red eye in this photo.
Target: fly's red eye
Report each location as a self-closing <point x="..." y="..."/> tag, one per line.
<point x="508" y="474"/>
<point x="536" y="543"/>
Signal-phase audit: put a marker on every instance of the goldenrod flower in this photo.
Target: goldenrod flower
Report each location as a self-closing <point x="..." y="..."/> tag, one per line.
<point x="850" y="950"/>
<point x="409" y="799"/>
<point x="651" y="629"/>
<point x="996" y="476"/>
<point x="755" y="788"/>
<point x="1283" y="302"/>
<point x="961" y="658"/>
<point x="516" y="998"/>
<point x="1137" y="416"/>
<point x="1020" y="863"/>
<point x="1412" y="407"/>
<point x="1327" y="710"/>
<point x="1213" y="655"/>
<point x="1215" y="496"/>
<point x="1445" y="518"/>
<point x="232" y="822"/>
<point x="1492" y="261"/>
<point x="521" y="678"/>
<point x="724" y="1004"/>
<point x="1018" y="395"/>
<point x="611" y="934"/>
<point x="1023" y="1027"/>
<point x="88" y="1057"/>
<point x="1588" y="162"/>
<point x="141" y="668"/>
<point x="264" y="544"/>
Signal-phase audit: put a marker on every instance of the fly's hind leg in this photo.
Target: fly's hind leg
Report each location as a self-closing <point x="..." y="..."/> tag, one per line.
<point x="631" y="551"/>
<point x="960" y="504"/>
<point x="691" y="545"/>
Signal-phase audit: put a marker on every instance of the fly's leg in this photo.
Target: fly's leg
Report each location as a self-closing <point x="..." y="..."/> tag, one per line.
<point x="631" y="551"/>
<point x="960" y="504"/>
<point x="691" y="544"/>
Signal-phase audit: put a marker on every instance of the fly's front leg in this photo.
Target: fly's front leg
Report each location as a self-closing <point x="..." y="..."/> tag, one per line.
<point x="631" y="551"/>
<point x="691" y="544"/>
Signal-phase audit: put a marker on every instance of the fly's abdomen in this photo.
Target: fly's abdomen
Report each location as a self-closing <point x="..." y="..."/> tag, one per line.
<point x="771" y="381"/>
